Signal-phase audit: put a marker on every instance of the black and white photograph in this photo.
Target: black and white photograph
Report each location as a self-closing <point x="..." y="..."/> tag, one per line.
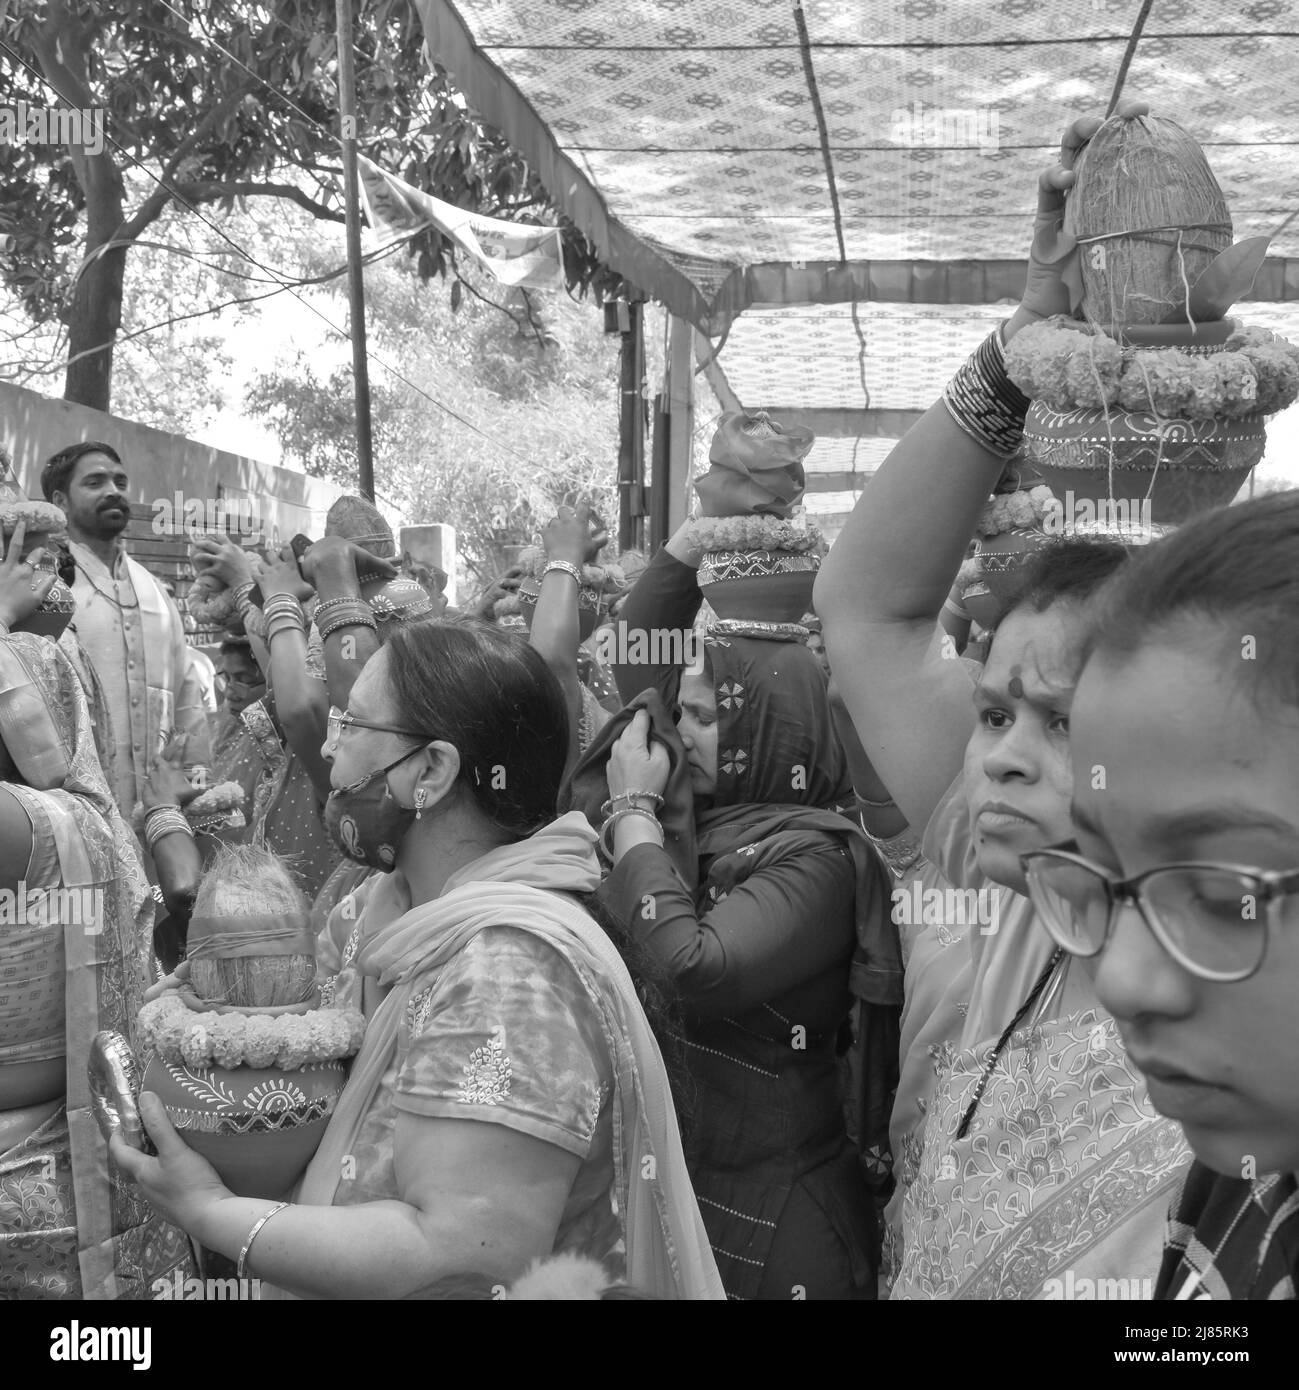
<point x="649" y="651"/>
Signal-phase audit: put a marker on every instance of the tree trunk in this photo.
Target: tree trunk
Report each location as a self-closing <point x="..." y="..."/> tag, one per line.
<point x="95" y="314"/>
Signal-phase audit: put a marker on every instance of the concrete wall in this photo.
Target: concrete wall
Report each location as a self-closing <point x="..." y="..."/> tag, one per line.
<point x="32" y="427"/>
<point x="231" y="493"/>
<point x="432" y="545"/>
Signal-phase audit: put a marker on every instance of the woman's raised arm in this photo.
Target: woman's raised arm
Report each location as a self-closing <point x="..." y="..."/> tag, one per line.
<point x="883" y="585"/>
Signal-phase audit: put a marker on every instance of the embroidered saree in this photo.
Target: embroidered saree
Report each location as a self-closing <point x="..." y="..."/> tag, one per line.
<point x="1066" y="1165"/>
<point x="938" y="968"/>
<point x="285" y="813"/>
<point x="69" y="1226"/>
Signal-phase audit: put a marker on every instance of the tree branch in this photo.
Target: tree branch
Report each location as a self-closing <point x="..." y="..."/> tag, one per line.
<point x="145" y="215"/>
<point x="200" y="132"/>
<point x="61" y="34"/>
<point x="213" y="192"/>
<point x="478" y="294"/>
<point x="536" y="327"/>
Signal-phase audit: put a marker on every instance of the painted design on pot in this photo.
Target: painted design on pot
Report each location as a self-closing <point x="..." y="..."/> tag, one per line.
<point x="277" y="1102"/>
<point x="761" y="585"/>
<point x="190" y="1120"/>
<point x="591" y="603"/>
<point x="720" y="565"/>
<point x="257" y="1127"/>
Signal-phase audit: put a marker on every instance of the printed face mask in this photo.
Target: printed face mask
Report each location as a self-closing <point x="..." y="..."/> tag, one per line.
<point x="367" y="822"/>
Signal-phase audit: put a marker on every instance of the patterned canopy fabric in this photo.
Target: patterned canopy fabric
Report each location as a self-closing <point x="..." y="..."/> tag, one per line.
<point x="841" y="192"/>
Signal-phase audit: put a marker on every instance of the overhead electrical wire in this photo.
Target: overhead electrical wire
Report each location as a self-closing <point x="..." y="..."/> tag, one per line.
<point x="823" y="129"/>
<point x="504" y="449"/>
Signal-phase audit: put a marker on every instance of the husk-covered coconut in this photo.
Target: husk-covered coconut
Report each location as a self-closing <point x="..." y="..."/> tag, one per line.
<point x="249" y="944"/>
<point x="1137" y="178"/>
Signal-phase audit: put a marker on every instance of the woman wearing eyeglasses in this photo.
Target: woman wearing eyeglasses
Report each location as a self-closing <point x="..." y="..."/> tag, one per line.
<point x="509" y="1100"/>
<point x="1183" y="884"/>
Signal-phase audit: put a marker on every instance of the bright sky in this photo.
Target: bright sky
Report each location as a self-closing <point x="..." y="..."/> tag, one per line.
<point x="281" y="327"/>
<point x="1282" y="457"/>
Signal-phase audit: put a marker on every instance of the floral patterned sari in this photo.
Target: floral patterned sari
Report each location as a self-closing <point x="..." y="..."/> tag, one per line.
<point x="70" y="1227"/>
<point x="1066" y="1169"/>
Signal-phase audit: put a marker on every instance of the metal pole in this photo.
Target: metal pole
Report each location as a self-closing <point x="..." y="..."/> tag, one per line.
<point x="355" y="280"/>
<point x="681" y="417"/>
<point x="631" y="431"/>
<point x="642" y="422"/>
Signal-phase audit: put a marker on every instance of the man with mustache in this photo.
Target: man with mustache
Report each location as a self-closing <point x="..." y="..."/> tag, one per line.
<point x="128" y="626"/>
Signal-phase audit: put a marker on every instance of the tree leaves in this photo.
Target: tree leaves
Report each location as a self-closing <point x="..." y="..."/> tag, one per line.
<point x="544" y="393"/>
<point x="170" y="92"/>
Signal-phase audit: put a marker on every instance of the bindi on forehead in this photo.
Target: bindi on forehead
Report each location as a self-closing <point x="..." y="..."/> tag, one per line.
<point x="1016" y="686"/>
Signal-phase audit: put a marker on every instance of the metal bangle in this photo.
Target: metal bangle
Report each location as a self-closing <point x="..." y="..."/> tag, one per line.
<point x="630" y="797"/>
<point x="567" y="568"/>
<point x="344" y="605"/>
<point x="347" y="620"/>
<point x="344" y="601"/>
<point x="284" y="622"/>
<point x="241" y="1264"/>
<point x="282" y="603"/>
<point x="606" y="831"/>
<point x="164" y="820"/>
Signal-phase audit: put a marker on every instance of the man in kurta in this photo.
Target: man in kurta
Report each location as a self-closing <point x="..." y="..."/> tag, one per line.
<point x="126" y="623"/>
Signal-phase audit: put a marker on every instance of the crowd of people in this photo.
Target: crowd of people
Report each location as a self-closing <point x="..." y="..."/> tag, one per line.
<point x="642" y="1016"/>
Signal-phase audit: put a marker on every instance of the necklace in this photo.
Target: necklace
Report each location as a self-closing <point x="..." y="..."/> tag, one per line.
<point x="112" y="598"/>
<point x="1056" y="957"/>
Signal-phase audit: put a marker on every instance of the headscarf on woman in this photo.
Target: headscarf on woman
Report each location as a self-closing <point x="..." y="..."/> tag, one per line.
<point x="67" y="1228"/>
<point x="782" y="785"/>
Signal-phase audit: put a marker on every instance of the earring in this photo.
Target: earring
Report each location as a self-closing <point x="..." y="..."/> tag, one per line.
<point x="420" y="797"/>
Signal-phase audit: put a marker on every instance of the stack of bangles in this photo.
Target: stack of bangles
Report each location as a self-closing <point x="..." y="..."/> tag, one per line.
<point x="243" y="599"/>
<point x="627" y="804"/>
<point x="984" y="402"/>
<point x="283" y="613"/>
<point x="334" y="613"/>
<point x="565" y="568"/>
<point x="164" y="820"/>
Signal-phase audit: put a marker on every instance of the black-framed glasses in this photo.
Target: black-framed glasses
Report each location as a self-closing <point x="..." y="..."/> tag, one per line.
<point x="1213" y="919"/>
<point x="341" y="718"/>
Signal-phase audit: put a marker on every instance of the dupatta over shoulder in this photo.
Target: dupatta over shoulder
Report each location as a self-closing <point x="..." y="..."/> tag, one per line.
<point x="528" y="885"/>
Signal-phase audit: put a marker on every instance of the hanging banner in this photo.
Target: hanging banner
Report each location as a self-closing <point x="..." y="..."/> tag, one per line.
<point x="530" y="257"/>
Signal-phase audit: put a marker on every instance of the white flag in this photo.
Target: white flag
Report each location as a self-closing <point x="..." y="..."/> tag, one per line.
<point x="515" y="254"/>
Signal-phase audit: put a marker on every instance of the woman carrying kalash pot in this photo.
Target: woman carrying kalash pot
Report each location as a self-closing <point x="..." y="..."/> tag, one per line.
<point x="1040" y="1159"/>
<point x="1183" y="884"/>
<point x="509" y="1100"/>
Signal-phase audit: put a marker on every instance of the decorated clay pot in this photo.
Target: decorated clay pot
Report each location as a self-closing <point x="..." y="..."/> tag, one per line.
<point x="589" y="604"/>
<point x="1098" y="455"/>
<point x="772" y="586"/>
<point x="259" y="1128"/>
<point x="1001" y="564"/>
<point x="44" y="529"/>
<point x="55" y="611"/>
